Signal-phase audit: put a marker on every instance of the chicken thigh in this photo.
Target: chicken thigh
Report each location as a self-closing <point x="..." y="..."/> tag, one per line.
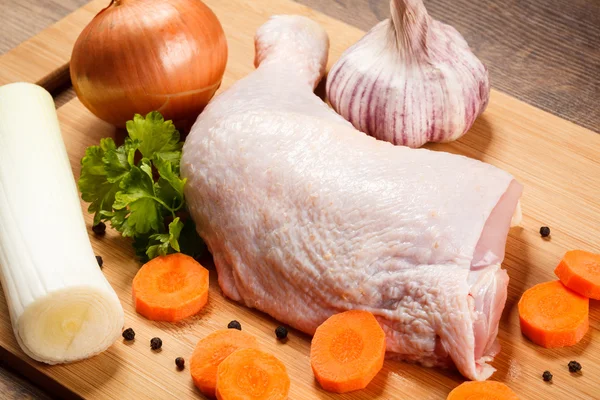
<point x="306" y="217"/>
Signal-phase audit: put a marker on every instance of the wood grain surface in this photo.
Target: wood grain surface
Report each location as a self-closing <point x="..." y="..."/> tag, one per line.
<point x="545" y="52"/>
<point x="358" y="13"/>
<point x="13" y="386"/>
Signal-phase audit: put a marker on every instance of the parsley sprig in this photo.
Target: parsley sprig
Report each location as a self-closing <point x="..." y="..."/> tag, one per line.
<point x="137" y="188"/>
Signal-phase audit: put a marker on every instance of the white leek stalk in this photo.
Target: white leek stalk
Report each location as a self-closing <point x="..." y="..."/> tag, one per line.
<point x="62" y="308"/>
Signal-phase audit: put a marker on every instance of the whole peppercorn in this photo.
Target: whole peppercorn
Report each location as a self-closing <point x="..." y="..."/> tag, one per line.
<point x="574" y="366"/>
<point x="100" y="261"/>
<point x="547" y="376"/>
<point x="545" y="231"/>
<point x="234" y="325"/>
<point x="155" y="343"/>
<point x="99" y="229"/>
<point x="129" y="334"/>
<point x="180" y="362"/>
<point x="281" y="332"/>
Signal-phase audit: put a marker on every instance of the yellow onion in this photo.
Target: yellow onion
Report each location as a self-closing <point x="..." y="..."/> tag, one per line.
<point x="138" y="56"/>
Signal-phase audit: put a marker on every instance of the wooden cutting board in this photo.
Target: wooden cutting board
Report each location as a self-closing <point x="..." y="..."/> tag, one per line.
<point x="557" y="161"/>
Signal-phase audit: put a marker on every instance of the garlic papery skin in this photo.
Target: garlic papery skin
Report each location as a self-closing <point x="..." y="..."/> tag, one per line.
<point x="410" y="80"/>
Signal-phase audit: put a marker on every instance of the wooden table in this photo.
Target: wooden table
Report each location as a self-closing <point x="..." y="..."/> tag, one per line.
<point x="545" y="52"/>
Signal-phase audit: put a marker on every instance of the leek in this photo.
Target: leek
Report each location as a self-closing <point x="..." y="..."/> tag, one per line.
<point x="62" y="308"/>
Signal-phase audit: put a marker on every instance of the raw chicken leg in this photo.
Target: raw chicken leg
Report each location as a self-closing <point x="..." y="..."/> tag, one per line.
<point x="306" y="216"/>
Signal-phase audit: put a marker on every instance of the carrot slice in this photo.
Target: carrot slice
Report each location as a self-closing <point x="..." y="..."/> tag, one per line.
<point x="252" y="374"/>
<point x="347" y="351"/>
<point x="488" y="390"/>
<point x="580" y="271"/>
<point x="552" y="315"/>
<point x="170" y="288"/>
<point x="211" y="351"/>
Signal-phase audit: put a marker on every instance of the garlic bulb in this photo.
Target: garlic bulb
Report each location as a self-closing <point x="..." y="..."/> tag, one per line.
<point x="410" y="80"/>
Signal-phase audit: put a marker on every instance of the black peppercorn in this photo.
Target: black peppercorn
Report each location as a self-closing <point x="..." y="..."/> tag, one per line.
<point x="180" y="362"/>
<point x="99" y="229"/>
<point x="545" y="231"/>
<point x="129" y="334"/>
<point x="281" y="332"/>
<point x="234" y="325"/>
<point x="155" y="343"/>
<point x="100" y="261"/>
<point x="547" y="376"/>
<point x="574" y="366"/>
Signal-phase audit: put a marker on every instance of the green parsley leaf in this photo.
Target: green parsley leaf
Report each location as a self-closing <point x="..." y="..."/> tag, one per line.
<point x="93" y="182"/>
<point x="174" y="157"/>
<point x="155" y="135"/>
<point x="169" y="187"/>
<point x="165" y="243"/>
<point x="137" y="196"/>
<point x="117" y="220"/>
<point x="118" y="161"/>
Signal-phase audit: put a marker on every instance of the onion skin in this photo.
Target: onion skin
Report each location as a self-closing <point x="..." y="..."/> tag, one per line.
<point x="138" y="56"/>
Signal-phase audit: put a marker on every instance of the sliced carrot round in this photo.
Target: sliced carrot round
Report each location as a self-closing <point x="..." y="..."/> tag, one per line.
<point x="580" y="271"/>
<point x="347" y="351"/>
<point x="552" y="315"/>
<point x="170" y="288"/>
<point x="487" y="390"/>
<point x="252" y="374"/>
<point x="211" y="351"/>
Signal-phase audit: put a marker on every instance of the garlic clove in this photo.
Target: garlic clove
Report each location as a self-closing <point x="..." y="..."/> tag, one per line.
<point x="410" y="80"/>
